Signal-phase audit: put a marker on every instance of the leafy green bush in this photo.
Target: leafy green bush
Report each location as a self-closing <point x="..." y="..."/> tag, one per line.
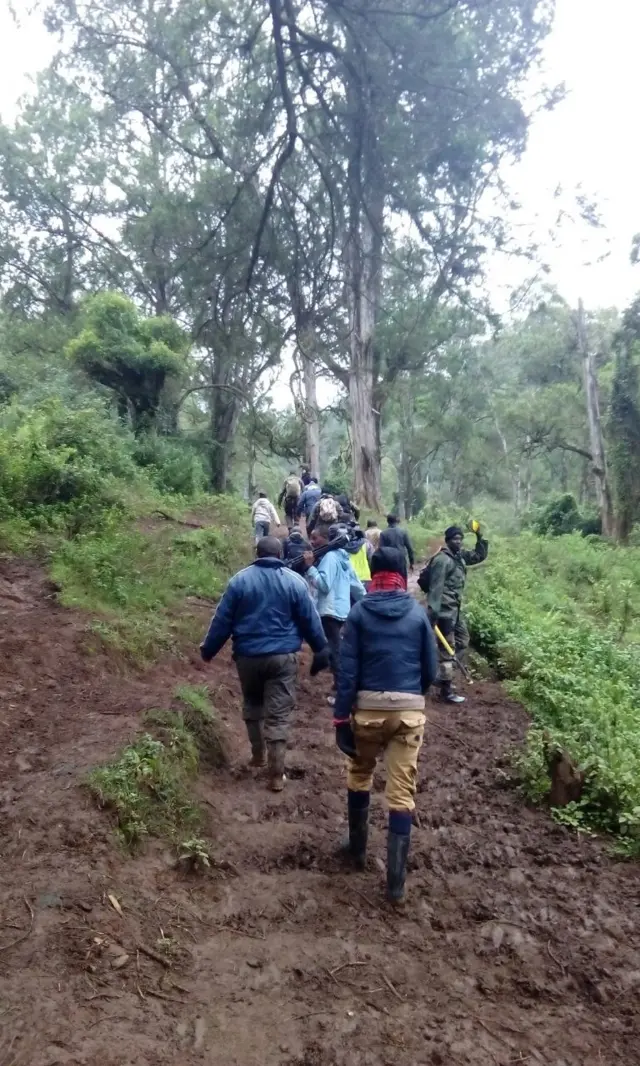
<point x="171" y="466"/>
<point x="561" y="516"/>
<point x="62" y="468"/>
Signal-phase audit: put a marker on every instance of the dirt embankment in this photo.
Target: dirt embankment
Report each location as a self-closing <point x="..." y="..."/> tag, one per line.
<point x="520" y="942"/>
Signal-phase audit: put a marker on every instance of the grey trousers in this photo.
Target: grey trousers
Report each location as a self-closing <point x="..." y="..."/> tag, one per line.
<point x="458" y="638"/>
<point x="269" y="692"/>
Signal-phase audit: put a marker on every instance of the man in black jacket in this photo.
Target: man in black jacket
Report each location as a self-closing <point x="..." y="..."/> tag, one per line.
<point x="387" y="663"/>
<point x="394" y="537"/>
<point x="294" y="545"/>
<point x="345" y="505"/>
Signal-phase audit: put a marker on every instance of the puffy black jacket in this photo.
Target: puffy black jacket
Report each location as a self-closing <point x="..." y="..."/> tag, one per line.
<point x="387" y="646"/>
<point x="293" y="546"/>
<point x="347" y="506"/>
<point x="395" y="537"/>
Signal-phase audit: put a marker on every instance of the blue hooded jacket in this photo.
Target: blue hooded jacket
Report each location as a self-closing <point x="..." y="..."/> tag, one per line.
<point x="334" y="577"/>
<point x="309" y="499"/>
<point x="267" y="610"/>
<point x="387" y="646"/>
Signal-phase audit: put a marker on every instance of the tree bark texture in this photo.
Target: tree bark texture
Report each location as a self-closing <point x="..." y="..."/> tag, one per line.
<point x="224" y="409"/>
<point x="363" y="277"/>
<point x="311" y="415"/>
<point x="599" y="467"/>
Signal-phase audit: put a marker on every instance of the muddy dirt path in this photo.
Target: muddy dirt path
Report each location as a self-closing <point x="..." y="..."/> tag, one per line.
<point x="520" y="943"/>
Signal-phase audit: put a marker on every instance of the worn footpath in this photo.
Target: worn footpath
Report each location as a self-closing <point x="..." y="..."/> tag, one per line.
<point x="520" y="942"/>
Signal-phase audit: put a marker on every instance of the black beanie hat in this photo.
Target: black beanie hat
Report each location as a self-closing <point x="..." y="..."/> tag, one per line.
<point x="391" y="560"/>
<point x="453" y="531"/>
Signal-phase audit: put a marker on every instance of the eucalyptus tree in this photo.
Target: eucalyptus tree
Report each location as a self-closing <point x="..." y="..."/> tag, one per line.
<point x="406" y="111"/>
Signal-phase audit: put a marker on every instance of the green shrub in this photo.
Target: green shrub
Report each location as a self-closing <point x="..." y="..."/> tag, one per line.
<point x="62" y="468"/>
<point x="561" y="516"/>
<point x="172" y="466"/>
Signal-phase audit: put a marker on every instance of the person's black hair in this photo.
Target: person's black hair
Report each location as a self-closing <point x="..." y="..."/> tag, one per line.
<point x="322" y="530"/>
<point x="371" y="523"/>
<point x="392" y="519"/>
<point x="262" y="495"/>
<point x="390" y="560"/>
<point x="269" y="548"/>
<point x="453" y="531"/>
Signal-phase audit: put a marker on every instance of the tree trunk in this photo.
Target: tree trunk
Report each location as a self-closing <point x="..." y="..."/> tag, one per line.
<point x="363" y="279"/>
<point x="366" y="453"/>
<point x="224" y="407"/>
<point x="311" y="415"/>
<point x="224" y="419"/>
<point x="251" y="474"/>
<point x="603" y="491"/>
<point x="363" y="299"/>
<point x="517" y="490"/>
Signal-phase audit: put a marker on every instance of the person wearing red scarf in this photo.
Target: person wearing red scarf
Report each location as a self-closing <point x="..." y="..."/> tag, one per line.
<point x="387" y="662"/>
<point x="388" y="581"/>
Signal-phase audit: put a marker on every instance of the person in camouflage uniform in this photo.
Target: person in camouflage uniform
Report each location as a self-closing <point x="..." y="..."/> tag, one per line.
<point x="443" y="581"/>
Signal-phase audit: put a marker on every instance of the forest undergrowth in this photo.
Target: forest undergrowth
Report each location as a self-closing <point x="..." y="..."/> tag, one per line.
<point x="558" y="618"/>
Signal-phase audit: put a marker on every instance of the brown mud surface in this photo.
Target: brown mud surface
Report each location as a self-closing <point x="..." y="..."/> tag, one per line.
<point x="520" y="943"/>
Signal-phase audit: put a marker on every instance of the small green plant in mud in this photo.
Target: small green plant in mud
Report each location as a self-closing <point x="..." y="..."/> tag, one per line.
<point x="146" y="786"/>
<point x="194" y="856"/>
<point x="203" y="721"/>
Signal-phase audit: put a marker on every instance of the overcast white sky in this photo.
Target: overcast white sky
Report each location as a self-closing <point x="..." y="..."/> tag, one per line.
<point x="589" y="140"/>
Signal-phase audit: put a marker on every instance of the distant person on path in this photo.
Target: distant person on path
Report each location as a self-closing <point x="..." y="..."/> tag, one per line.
<point x="267" y="611"/>
<point x="372" y="533"/>
<point x="290" y="495"/>
<point x="333" y="578"/>
<point x="443" y="580"/>
<point x="308" y="500"/>
<point x="345" y="504"/>
<point x="387" y="663"/>
<point x="395" y="537"/>
<point x="305" y="476"/>
<point x="326" y="511"/>
<point x="263" y="515"/>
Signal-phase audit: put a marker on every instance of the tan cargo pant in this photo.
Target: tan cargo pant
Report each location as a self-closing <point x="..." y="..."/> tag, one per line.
<point x="398" y="736"/>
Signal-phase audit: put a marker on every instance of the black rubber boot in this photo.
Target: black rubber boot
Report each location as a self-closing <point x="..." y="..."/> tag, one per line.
<point x="275" y="757"/>
<point x="358" y="831"/>
<point x="447" y="695"/>
<point x="256" y="740"/>
<point x="397" y="854"/>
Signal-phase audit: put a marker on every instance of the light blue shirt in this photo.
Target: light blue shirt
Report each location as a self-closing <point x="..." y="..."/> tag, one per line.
<point x="334" y="577"/>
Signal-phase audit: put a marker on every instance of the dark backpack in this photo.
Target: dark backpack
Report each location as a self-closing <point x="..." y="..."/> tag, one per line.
<point x="424" y="579"/>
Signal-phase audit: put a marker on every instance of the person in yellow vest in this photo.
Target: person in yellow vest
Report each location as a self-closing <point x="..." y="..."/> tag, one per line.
<point x="358" y="554"/>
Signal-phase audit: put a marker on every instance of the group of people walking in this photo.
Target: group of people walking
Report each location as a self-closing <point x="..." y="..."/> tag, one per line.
<point x="367" y="629"/>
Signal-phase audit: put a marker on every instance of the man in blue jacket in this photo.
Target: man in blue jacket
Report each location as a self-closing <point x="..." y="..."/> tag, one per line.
<point x="267" y="611"/>
<point x="308" y="499"/>
<point x="388" y="660"/>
